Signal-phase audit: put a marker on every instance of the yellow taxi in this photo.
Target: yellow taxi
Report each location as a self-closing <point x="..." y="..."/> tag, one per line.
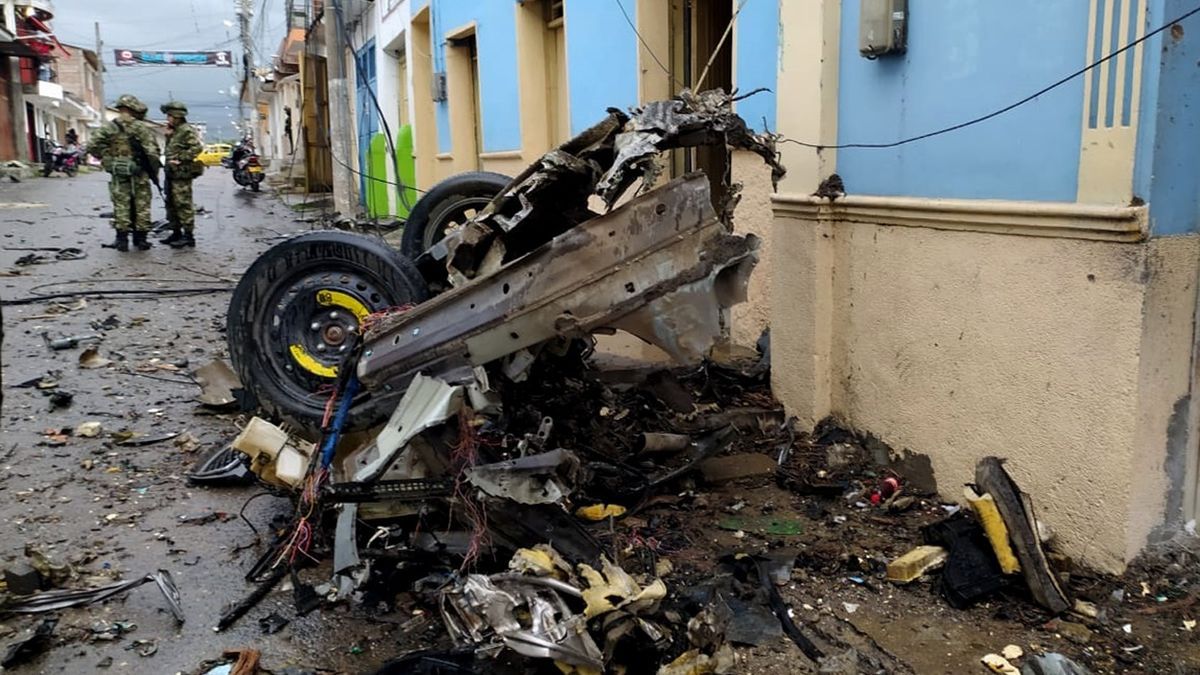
<point x="214" y="153"/>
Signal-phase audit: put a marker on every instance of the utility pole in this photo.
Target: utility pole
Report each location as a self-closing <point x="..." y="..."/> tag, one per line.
<point x="244" y="10"/>
<point x="341" y="135"/>
<point x="100" y="82"/>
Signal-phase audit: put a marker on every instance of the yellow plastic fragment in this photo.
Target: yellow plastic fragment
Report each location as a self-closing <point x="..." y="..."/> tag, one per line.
<point x="597" y="512"/>
<point x="916" y="562"/>
<point x="615" y="589"/>
<point x="997" y="532"/>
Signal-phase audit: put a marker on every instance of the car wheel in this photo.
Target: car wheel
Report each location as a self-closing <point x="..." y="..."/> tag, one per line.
<point x="448" y="206"/>
<point x="293" y="316"/>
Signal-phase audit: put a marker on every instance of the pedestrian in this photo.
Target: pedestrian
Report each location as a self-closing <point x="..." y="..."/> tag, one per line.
<point x="183" y="145"/>
<point x="72" y="137"/>
<point x="128" y="152"/>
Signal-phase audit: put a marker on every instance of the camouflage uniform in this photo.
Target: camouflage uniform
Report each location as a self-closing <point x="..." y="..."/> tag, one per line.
<point x="114" y="145"/>
<point x="183" y="145"/>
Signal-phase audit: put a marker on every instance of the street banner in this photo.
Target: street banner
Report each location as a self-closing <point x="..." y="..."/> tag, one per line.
<point x="133" y="57"/>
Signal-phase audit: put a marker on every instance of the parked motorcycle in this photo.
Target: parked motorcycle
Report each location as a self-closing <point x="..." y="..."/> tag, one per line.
<point x="247" y="170"/>
<point x="63" y="159"/>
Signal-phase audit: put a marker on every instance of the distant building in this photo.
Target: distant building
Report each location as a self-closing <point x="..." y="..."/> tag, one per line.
<point x="80" y="73"/>
<point x="29" y="95"/>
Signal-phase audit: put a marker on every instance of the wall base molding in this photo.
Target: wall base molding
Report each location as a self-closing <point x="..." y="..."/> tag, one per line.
<point x="1018" y="218"/>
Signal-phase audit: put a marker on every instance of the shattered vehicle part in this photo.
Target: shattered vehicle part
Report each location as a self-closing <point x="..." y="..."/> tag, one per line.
<point x="661" y="267"/>
<point x="218" y="383"/>
<point x="614" y="589"/>
<point x="224" y="466"/>
<point x="426" y="403"/>
<point x="547" y="478"/>
<point x="526" y="613"/>
<point x="28" y="648"/>
<point x="51" y="601"/>
<point x="1017" y="512"/>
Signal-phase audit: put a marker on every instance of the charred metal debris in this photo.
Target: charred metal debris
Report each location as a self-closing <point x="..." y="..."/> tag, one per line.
<point x="480" y="492"/>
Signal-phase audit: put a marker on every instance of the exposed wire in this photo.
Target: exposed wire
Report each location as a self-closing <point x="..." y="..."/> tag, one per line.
<point x="647" y="46"/>
<point x="374" y="178"/>
<point x="387" y="131"/>
<point x="1007" y="108"/>
<point x="137" y="293"/>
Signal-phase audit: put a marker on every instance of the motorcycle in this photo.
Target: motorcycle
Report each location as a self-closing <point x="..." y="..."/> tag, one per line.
<point x="63" y="159"/>
<point x="247" y="170"/>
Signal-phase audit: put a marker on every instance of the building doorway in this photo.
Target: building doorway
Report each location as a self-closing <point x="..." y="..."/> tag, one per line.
<point x="462" y="74"/>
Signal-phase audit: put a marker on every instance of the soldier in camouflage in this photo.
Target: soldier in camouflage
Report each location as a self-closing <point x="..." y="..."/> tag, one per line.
<point x="183" y="145"/>
<point x="128" y="152"/>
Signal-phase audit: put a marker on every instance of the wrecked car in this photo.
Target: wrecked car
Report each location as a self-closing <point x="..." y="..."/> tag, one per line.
<point x="336" y="332"/>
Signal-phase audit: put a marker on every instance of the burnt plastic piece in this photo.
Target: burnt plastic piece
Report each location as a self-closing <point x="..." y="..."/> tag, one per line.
<point x="223" y="467"/>
<point x="971" y="572"/>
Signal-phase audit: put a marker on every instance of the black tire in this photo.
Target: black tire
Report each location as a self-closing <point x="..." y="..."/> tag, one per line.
<point x="278" y="307"/>
<point x="446" y="205"/>
<point x="254" y="186"/>
<point x="46" y="171"/>
<point x="71" y="172"/>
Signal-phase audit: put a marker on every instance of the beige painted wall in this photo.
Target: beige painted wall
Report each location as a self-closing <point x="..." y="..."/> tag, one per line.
<point x="1065" y="356"/>
<point x="1162" y="446"/>
<point x="753" y="216"/>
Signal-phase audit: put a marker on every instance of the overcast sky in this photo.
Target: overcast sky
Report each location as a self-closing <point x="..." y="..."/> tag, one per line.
<point x="173" y="25"/>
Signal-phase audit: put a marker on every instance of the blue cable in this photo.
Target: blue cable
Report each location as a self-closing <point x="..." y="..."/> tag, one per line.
<point x="339" y="421"/>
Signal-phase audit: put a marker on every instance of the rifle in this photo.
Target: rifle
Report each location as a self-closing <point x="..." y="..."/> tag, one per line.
<point x="143" y="160"/>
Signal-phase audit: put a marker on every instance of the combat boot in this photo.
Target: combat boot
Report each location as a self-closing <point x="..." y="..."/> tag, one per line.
<point x="140" y="241"/>
<point x="121" y="243"/>
<point x="187" y="240"/>
<point x="176" y="235"/>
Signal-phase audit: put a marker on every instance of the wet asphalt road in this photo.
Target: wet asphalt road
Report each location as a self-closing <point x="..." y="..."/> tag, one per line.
<point x="114" y="511"/>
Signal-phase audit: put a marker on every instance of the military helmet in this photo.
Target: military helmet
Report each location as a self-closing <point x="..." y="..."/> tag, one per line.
<point x="132" y="103"/>
<point x="174" y="108"/>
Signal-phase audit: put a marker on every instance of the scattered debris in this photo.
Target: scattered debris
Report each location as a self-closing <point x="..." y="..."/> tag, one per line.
<point x="21" y="578"/>
<point x="916" y="563"/>
<point x="89" y="429"/>
<point x="70" y="342"/>
<point x="51" y="601"/>
<point x="1017" y="513"/>
<point x="218" y="385"/>
<point x="29" y="646"/>
<point x="143" y="648"/>
<point x="224" y="466"/>
<point x="91" y="358"/>
<point x="138" y="439"/>
<point x="999" y="664"/>
<point x="272" y="623"/>
<point x="1012" y="652"/>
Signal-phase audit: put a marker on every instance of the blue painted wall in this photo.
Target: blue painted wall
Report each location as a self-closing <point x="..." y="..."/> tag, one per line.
<point x="1167" y="170"/>
<point x="757" y="61"/>
<point x="601" y="59"/>
<point x="964" y="60"/>
<point x="496" y="40"/>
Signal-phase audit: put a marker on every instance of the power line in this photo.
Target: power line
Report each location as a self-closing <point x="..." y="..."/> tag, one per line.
<point x="362" y="79"/>
<point x="377" y="179"/>
<point x="1007" y="108"/>
<point x="647" y="46"/>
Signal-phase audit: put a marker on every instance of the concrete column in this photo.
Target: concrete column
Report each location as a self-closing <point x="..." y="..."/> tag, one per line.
<point x="341" y="123"/>
<point x="802" y="307"/>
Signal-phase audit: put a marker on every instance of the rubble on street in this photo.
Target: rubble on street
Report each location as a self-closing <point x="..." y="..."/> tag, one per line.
<point x="474" y="488"/>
